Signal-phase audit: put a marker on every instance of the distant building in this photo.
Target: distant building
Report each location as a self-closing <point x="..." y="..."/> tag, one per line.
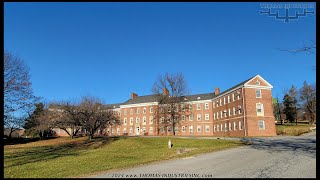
<point x="243" y="110"/>
<point x="15" y="134"/>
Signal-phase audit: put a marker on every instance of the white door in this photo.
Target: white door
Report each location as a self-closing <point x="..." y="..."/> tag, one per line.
<point x="138" y="130"/>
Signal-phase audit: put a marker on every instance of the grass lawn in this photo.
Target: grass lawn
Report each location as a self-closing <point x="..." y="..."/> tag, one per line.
<point x="64" y="157"/>
<point x="293" y="129"/>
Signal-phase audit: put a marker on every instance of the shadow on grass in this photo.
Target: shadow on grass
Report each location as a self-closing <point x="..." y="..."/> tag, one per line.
<point x="15" y="141"/>
<point x="45" y="153"/>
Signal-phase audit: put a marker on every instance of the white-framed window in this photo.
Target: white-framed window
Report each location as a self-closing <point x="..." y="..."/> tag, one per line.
<point x="198" y="117"/>
<point x="151" y="120"/>
<point x="220" y="102"/>
<point x="258" y="93"/>
<point x="225" y="113"/>
<point x="124" y="130"/>
<point x="190" y="107"/>
<point x="259" y="107"/>
<point x="144" y="129"/>
<point x="238" y="92"/>
<point x="214" y="116"/>
<point x="162" y="110"/>
<point x="176" y="129"/>
<point x="221" y="114"/>
<point x="198" y="106"/>
<point x="206" y="116"/>
<point x="230" y="127"/>
<point x="232" y="96"/>
<point x="261" y="125"/>
<point x="169" y="129"/>
<point x="183" y="117"/>
<point x="234" y="111"/>
<point x="217" y="104"/>
<point x="218" y="127"/>
<point x="257" y="83"/>
<point x="162" y="129"/>
<point x="131" y="121"/>
<point x="137" y="120"/>
<point x="234" y="126"/>
<point x="144" y="110"/>
<point x="138" y="110"/>
<point x="214" y="128"/>
<point x="225" y="127"/>
<point x="131" y="111"/>
<point x="169" y="108"/>
<point x="198" y="128"/>
<point x="118" y="130"/>
<point x="206" y="106"/>
<point x="151" y="109"/>
<point x="125" y="112"/>
<point x="162" y="120"/>
<point x="213" y="104"/>
<point x="229" y="110"/>
<point x="191" y="128"/>
<point x="183" y="107"/>
<point x="224" y="100"/>
<point x="176" y="107"/>
<point x="125" y="121"/>
<point x="151" y="130"/>
<point x="144" y="120"/>
<point x="217" y="115"/>
<point x="240" y="125"/>
<point x="239" y="110"/>
<point x="183" y="129"/>
<point x="221" y="127"/>
<point x="130" y="130"/>
<point x="191" y="117"/>
<point x="228" y="98"/>
<point x="207" y="128"/>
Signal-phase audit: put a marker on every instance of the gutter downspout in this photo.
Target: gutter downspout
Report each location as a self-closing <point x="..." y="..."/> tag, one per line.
<point x="244" y="114"/>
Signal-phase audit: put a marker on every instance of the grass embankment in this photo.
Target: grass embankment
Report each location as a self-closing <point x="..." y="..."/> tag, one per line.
<point x="63" y="157"/>
<point x="293" y="129"/>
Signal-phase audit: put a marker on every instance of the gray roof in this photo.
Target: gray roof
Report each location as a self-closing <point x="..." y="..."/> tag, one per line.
<point x="156" y="97"/>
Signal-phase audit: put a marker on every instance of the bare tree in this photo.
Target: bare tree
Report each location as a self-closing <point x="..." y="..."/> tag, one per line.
<point x="170" y="88"/>
<point x="13" y="123"/>
<point x="93" y="116"/>
<point x="18" y="96"/>
<point x="308" y="101"/>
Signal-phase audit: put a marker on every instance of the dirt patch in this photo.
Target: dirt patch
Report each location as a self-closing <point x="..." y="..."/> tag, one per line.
<point x="185" y="150"/>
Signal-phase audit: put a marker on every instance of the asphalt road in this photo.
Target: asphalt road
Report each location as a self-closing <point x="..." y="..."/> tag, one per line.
<point x="277" y="157"/>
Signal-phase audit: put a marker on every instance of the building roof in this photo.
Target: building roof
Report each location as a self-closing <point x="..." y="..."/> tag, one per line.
<point x="143" y="99"/>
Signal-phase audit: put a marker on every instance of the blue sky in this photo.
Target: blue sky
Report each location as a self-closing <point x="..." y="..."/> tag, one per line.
<point x="112" y="49"/>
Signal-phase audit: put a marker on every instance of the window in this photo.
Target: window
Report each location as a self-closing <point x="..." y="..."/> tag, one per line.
<point x="118" y="130"/>
<point x="214" y="128"/>
<point x="162" y="129"/>
<point x="191" y="117"/>
<point x="206" y="106"/>
<point x="198" y="128"/>
<point x="238" y="92"/>
<point x="217" y="103"/>
<point x="221" y="127"/>
<point x="137" y="120"/>
<point x="207" y="128"/>
<point x="198" y="107"/>
<point x="144" y="120"/>
<point x="259" y="107"/>
<point x="234" y="111"/>
<point x="190" y="107"/>
<point x="151" y="120"/>
<point x="190" y="128"/>
<point x="257" y="83"/>
<point x="229" y="112"/>
<point x="239" y="109"/>
<point x="151" y="109"/>
<point x="183" y="118"/>
<point x="131" y="130"/>
<point x="198" y="117"/>
<point x="258" y="93"/>
<point x="144" y="129"/>
<point x="225" y="113"/>
<point x="182" y="107"/>
<point x="176" y="107"/>
<point x="220" y="102"/>
<point x="214" y="116"/>
<point x="225" y="127"/>
<point x="183" y="129"/>
<point x="234" y="126"/>
<point x="124" y="130"/>
<point x="131" y="121"/>
<point x="125" y="121"/>
<point x="232" y="97"/>
<point x="217" y="127"/>
<point x="169" y="108"/>
<point x="217" y="115"/>
<point x="230" y="127"/>
<point x="240" y="125"/>
<point x="169" y="129"/>
<point x="261" y="124"/>
<point x="224" y="100"/>
<point x="162" y="119"/>
<point x="228" y="99"/>
<point x="138" y="110"/>
<point x="151" y="130"/>
<point x="162" y="110"/>
<point x="206" y="117"/>
<point x="213" y="104"/>
<point x="125" y="112"/>
<point x="221" y="114"/>
<point x="131" y="111"/>
<point x="176" y="129"/>
<point x="144" y="110"/>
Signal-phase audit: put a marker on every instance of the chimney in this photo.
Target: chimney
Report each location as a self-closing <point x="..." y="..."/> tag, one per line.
<point x="133" y="95"/>
<point x="216" y="91"/>
<point x="165" y="91"/>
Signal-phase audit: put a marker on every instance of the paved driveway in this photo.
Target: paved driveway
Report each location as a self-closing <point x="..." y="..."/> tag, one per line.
<point x="290" y="157"/>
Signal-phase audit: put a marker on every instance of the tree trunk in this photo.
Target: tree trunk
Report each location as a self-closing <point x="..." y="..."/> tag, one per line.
<point x="10" y="134"/>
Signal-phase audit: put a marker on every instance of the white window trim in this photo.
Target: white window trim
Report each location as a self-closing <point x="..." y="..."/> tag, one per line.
<point x="191" y="119"/>
<point x="144" y="111"/>
<point x="151" y="110"/>
<point x="198" y="106"/>
<point x="206" y="106"/>
<point x="260" y="93"/>
<point x="207" y="117"/>
<point x="264" y="125"/>
<point x="262" y="110"/>
<point x="151" y="120"/>
<point x="207" y="127"/>
<point x="125" y="121"/>
<point x="199" y="127"/>
<point x="234" y="126"/>
<point x="183" y="128"/>
<point x="198" y="117"/>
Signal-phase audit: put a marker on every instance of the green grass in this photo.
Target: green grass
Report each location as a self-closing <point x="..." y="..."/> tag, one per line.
<point x="63" y="157"/>
<point x="293" y="129"/>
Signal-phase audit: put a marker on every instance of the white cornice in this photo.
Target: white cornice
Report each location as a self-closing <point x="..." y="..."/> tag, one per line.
<point x="139" y="105"/>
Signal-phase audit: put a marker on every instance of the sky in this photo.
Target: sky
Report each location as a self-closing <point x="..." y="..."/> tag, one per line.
<point x="110" y="50"/>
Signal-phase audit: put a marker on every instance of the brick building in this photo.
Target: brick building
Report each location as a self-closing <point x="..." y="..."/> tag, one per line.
<point x="242" y="110"/>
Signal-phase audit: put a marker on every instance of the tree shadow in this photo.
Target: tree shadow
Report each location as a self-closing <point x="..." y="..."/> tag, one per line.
<point x="14" y="141"/>
<point x="44" y="153"/>
<point x="301" y="146"/>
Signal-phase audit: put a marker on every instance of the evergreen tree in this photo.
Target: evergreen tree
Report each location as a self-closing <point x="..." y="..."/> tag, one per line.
<point x="289" y="109"/>
<point x="293" y="93"/>
<point x="31" y="121"/>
